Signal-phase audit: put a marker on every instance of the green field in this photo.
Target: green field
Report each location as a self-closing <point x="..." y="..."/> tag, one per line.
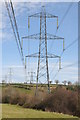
<point x="14" y="111"/>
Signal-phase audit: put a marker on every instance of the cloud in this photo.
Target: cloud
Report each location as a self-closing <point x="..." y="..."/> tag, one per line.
<point x="70" y="73"/>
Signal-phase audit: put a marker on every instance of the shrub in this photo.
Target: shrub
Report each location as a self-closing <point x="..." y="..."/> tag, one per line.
<point x="6" y="95"/>
<point x="61" y="100"/>
<point x="1" y="96"/>
<point x="22" y="99"/>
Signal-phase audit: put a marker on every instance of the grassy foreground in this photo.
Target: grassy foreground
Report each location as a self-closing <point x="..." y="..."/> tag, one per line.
<point x="14" y="111"/>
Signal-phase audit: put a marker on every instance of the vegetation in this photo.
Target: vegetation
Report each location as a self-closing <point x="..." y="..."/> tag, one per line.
<point x="14" y="111"/>
<point x="62" y="99"/>
<point x="56" y="81"/>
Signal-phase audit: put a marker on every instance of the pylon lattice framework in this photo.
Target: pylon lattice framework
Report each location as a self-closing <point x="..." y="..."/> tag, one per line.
<point x="43" y="36"/>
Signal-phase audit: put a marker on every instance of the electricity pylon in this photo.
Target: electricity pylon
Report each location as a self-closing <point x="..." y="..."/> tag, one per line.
<point x="5" y="78"/>
<point x="31" y="77"/>
<point x="43" y="55"/>
<point x="10" y="75"/>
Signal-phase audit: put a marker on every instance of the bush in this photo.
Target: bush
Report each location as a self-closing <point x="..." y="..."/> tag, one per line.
<point x="22" y="99"/>
<point x="61" y="100"/>
<point x="6" y="95"/>
<point x="1" y="96"/>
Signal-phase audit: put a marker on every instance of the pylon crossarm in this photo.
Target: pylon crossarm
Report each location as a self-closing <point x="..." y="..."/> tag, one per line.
<point x="53" y="37"/>
<point x="34" y="36"/>
<point x="35" y="15"/>
<point x="48" y="15"/>
<point x="49" y="37"/>
<point x="33" y="55"/>
<point x="53" y="56"/>
<point x="42" y="56"/>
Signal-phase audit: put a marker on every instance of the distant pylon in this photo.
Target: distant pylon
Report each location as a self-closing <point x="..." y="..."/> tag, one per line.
<point x="31" y="77"/>
<point x="10" y="75"/>
<point x="6" y="78"/>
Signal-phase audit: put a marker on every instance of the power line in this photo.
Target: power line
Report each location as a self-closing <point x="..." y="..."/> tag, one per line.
<point x="56" y="62"/>
<point x="56" y="74"/>
<point x="65" y="15"/>
<point x="67" y="66"/>
<point x="76" y="40"/>
<point x="12" y="25"/>
<point x="63" y="19"/>
<point x="70" y="45"/>
<point x="13" y="28"/>
<point x="10" y="75"/>
<point x="16" y="26"/>
<point x="20" y="49"/>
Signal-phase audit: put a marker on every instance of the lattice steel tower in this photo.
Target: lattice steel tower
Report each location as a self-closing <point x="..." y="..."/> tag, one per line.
<point x="43" y="61"/>
<point x="43" y="55"/>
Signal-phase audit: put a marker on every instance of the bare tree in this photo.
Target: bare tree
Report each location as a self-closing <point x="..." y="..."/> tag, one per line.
<point x="64" y="82"/>
<point x="56" y="81"/>
<point x="3" y="81"/>
<point x="69" y="83"/>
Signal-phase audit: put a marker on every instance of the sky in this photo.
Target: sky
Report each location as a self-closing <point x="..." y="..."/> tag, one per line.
<point x="68" y="29"/>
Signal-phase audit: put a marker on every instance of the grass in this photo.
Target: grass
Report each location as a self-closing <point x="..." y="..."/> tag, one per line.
<point x="23" y="89"/>
<point x="14" y="111"/>
<point x="0" y="112"/>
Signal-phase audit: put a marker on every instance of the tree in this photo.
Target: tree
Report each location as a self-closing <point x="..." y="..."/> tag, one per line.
<point x="50" y="81"/>
<point x="64" y="82"/>
<point x="56" y="81"/>
<point x="3" y="81"/>
<point x="69" y="83"/>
